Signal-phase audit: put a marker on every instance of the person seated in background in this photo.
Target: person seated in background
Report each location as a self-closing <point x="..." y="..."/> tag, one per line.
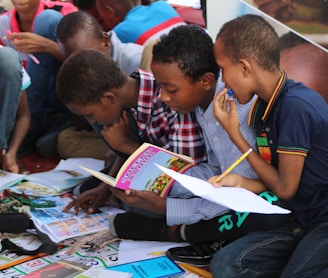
<point x="133" y="22"/>
<point x="122" y="106"/>
<point x="304" y="62"/>
<point x="30" y="28"/>
<point x="291" y="121"/>
<point x="14" y="111"/>
<point x="90" y="7"/>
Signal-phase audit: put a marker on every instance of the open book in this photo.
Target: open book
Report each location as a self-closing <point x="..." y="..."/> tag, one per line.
<point x="139" y="171"/>
<point x="59" y="225"/>
<point x="63" y="177"/>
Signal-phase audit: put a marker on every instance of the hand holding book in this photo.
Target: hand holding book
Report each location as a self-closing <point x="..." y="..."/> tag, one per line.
<point x="140" y="173"/>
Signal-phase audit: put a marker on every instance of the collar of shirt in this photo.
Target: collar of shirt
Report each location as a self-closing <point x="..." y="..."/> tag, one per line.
<point x="261" y="110"/>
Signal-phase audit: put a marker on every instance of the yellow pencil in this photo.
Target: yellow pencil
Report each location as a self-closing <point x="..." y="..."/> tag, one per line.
<point x="196" y="270"/>
<point x="233" y="165"/>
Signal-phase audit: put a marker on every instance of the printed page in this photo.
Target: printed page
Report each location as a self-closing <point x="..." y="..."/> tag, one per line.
<point x="66" y="174"/>
<point x="238" y="199"/>
<point x="107" y="257"/>
<point x="142" y="249"/>
<point x="11" y="258"/>
<point x="60" y="226"/>
<point x="8" y="179"/>
<point x="140" y="173"/>
<point x="155" y="267"/>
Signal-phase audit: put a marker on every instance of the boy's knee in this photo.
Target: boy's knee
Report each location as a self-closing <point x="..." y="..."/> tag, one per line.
<point x="219" y="264"/>
<point x="9" y="60"/>
<point x="46" y="22"/>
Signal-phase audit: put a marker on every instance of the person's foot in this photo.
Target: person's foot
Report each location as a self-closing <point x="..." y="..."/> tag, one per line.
<point x="197" y="254"/>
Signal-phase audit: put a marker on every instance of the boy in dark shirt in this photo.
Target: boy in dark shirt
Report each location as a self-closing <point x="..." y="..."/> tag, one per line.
<point x="291" y="122"/>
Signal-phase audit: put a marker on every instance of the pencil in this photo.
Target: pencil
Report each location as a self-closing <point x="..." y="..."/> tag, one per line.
<point x="233" y="165"/>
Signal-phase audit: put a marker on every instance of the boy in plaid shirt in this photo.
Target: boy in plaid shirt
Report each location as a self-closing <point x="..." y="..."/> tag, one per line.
<point x="126" y="110"/>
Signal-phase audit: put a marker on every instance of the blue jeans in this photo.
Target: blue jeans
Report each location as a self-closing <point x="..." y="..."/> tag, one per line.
<point x="285" y="252"/>
<point x="41" y="94"/>
<point x="10" y="91"/>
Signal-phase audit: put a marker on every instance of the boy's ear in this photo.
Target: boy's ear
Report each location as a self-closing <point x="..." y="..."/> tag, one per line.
<point x="208" y="79"/>
<point x="109" y="97"/>
<point x="106" y="42"/>
<point x="245" y="67"/>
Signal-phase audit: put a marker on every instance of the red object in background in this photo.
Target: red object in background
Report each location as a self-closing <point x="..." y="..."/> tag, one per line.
<point x="36" y="163"/>
<point x="191" y="15"/>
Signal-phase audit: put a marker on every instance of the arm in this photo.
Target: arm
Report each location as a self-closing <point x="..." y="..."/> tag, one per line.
<point x="92" y="199"/>
<point x="18" y="135"/>
<point x="141" y="199"/>
<point x="32" y="43"/>
<point x="117" y="136"/>
<point x="284" y="181"/>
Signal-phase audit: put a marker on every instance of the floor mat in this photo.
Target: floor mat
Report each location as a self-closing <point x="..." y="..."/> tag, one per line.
<point x="37" y="163"/>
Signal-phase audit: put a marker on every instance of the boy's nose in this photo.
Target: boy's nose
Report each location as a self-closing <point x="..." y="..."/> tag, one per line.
<point x="164" y="97"/>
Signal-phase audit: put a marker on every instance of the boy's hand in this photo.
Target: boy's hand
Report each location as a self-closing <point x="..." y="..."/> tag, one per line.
<point x="225" y="111"/>
<point x="91" y="199"/>
<point x="141" y="199"/>
<point x="117" y="135"/>
<point x="10" y="164"/>
<point x="28" y="42"/>
<point x="230" y="180"/>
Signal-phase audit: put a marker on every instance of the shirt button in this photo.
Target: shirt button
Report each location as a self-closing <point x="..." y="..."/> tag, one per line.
<point x="270" y="142"/>
<point x="267" y="129"/>
<point x="217" y="123"/>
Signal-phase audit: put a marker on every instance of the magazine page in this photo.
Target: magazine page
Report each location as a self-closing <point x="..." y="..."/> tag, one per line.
<point x="154" y="267"/>
<point x="10" y="258"/>
<point x="60" y="269"/>
<point x="8" y="179"/>
<point x="107" y="257"/>
<point x="140" y="173"/>
<point x="66" y="174"/>
<point x="60" y="225"/>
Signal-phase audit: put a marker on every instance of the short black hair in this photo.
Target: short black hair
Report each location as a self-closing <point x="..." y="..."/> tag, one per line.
<point x="191" y="47"/>
<point x="71" y="23"/>
<point x="86" y="75"/>
<point x="251" y="36"/>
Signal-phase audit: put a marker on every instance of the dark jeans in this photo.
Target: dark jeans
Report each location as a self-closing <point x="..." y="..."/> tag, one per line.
<point x="284" y="252"/>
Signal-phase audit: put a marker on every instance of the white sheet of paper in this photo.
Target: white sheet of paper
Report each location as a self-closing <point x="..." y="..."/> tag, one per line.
<point x="135" y="250"/>
<point x="238" y="199"/>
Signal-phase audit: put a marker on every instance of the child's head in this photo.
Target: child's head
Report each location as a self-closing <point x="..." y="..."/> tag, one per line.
<point x="184" y="66"/>
<point x="90" y="7"/>
<point x="245" y="48"/>
<point x="114" y="11"/>
<point x="88" y="84"/>
<point x="80" y="30"/>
